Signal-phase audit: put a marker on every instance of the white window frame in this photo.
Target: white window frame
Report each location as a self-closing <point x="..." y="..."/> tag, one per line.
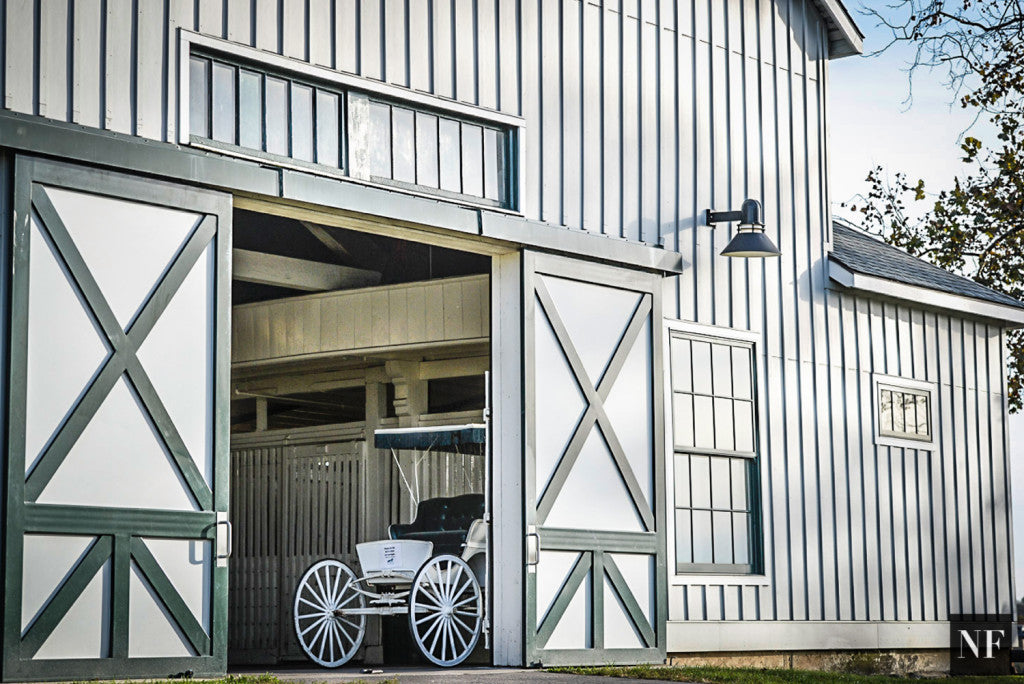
<point x="880" y="381"/>
<point x="757" y="578"/>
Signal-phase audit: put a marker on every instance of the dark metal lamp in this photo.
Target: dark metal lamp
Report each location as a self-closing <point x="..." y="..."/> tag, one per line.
<point x="750" y="239"/>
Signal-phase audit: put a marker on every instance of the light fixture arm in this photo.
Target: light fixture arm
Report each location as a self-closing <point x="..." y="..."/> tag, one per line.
<point x="749" y="214"/>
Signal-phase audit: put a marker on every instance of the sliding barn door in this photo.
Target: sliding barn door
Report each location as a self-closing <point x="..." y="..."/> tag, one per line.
<point x="117" y="426"/>
<point x="594" y="464"/>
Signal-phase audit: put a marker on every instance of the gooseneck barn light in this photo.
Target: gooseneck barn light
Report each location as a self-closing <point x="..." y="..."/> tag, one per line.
<point x="750" y="240"/>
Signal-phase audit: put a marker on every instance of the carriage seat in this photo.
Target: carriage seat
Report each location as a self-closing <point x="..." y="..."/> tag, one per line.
<point x="445" y="521"/>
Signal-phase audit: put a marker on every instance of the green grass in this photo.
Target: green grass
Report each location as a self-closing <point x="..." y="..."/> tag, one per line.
<point x="728" y="675"/>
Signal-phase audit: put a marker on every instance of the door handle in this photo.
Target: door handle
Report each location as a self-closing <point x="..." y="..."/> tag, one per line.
<point x="222" y="558"/>
<point x="532" y="547"/>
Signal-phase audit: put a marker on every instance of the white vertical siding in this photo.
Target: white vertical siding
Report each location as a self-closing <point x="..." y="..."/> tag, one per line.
<point x="868" y="532"/>
<point x="640" y="115"/>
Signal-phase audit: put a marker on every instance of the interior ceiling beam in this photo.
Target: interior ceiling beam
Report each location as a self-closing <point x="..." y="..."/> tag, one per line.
<point x="298" y="274"/>
<point x="326" y="238"/>
<point x="454" y="368"/>
<point x="361" y="223"/>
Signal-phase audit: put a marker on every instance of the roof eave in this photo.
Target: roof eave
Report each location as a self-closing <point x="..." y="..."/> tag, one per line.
<point x="1011" y="317"/>
<point x="845" y="39"/>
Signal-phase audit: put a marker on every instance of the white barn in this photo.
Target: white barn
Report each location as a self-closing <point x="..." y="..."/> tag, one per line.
<point x="240" y="238"/>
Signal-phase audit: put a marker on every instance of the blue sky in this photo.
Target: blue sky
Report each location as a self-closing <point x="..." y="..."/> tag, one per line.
<point x="872" y="123"/>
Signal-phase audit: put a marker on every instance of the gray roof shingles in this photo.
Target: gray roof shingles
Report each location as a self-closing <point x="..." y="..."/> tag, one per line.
<point x="862" y="253"/>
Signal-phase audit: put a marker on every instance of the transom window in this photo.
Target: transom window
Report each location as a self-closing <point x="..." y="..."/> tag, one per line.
<point x="431" y="150"/>
<point x="715" y="464"/>
<point x="278" y="116"/>
<point x="238" y="107"/>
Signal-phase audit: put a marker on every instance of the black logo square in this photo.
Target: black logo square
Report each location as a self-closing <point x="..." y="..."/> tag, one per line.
<point x="979" y="644"/>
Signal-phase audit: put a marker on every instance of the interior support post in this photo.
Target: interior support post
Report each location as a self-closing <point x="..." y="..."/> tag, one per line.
<point x="374" y="518"/>
<point x="410" y="404"/>
<point x="410" y="391"/>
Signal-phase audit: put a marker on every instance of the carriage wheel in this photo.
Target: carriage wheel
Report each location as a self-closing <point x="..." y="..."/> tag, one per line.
<point x="445" y="610"/>
<point x="327" y="632"/>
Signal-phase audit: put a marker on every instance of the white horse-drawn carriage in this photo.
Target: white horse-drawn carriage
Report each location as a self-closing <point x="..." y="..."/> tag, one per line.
<point x="434" y="569"/>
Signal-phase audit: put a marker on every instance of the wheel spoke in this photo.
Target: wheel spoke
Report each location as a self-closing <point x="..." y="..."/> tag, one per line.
<point x="471" y="599"/>
<point x="321" y="639"/>
<point x="347" y="601"/>
<point x="318" y="638"/>
<point x="455" y="630"/>
<point x="437" y="590"/>
<point x="468" y="628"/>
<point x="332" y="585"/>
<point x="447" y="627"/>
<point x="440" y="625"/>
<point x="331" y="633"/>
<point x="354" y="625"/>
<point x="436" y="600"/>
<point x="323" y="594"/>
<point x="320" y="607"/>
<point x="350" y="638"/>
<point x="461" y="590"/>
<point x="448" y="581"/>
<point x="431" y="616"/>
<point x="312" y="626"/>
<point x="452" y="581"/>
<point x="350" y="650"/>
<point x="431" y="629"/>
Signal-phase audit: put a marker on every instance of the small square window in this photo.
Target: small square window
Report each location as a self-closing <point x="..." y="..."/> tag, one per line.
<point x="904" y="412"/>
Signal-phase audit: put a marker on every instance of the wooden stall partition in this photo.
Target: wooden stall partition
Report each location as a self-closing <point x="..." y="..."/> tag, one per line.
<point x="292" y="505"/>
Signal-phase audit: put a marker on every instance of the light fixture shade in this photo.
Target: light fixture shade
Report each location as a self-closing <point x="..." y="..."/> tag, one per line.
<point x="750" y="241"/>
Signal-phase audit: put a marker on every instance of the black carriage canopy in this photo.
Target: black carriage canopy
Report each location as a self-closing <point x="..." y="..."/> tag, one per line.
<point x="459" y="439"/>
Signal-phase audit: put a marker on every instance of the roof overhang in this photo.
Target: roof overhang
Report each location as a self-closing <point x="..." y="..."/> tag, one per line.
<point x="1009" y="316"/>
<point x="844" y="38"/>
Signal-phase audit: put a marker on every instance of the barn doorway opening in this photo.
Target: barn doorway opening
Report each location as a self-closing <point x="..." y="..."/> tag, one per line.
<point x="338" y="332"/>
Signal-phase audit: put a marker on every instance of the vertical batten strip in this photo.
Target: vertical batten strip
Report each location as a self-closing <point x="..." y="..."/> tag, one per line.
<point x="20" y="56"/>
<point x="590" y="116"/>
<point x="395" y="42"/>
<point x="570" y="78"/>
<point x="118" y="105"/>
<point x="487" y="47"/>
<point x="1004" y="444"/>
<point x="86" y="64"/>
<point x="631" y="73"/>
<point x="54" y="33"/>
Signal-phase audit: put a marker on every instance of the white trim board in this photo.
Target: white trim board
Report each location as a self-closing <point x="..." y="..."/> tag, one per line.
<point x="773" y="635"/>
<point x="923" y="296"/>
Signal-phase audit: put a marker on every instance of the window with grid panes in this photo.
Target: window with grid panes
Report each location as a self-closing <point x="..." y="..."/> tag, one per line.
<point x="234" y="106"/>
<point x="441" y="154"/>
<point x="715" y="461"/>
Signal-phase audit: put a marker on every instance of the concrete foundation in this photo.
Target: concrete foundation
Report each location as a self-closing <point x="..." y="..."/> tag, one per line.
<point x="922" y="662"/>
